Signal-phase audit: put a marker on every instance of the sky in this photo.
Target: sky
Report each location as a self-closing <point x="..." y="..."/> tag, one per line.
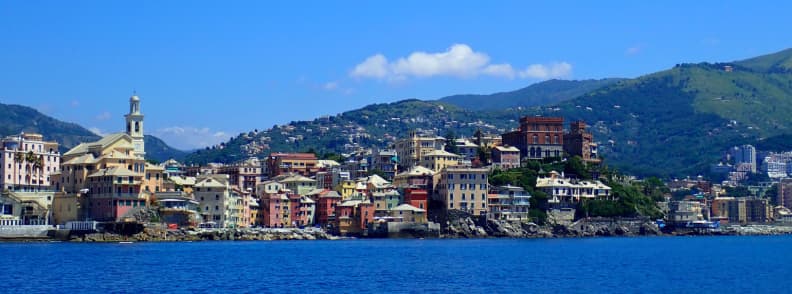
<point x="208" y="70"/>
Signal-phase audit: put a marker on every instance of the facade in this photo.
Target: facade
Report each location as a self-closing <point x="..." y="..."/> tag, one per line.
<point x="284" y="163"/>
<point x="178" y="208"/>
<point x="326" y="207"/>
<point x="509" y="203"/>
<point x="385" y="161"/>
<point x="417" y="176"/>
<point x="219" y="205"/>
<point x="244" y="175"/>
<point x="538" y="137"/>
<point x="682" y="212"/>
<point x="410" y="150"/>
<point x="464" y="189"/>
<point x="408" y="213"/>
<point x="353" y="216"/>
<point x="385" y="201"/>
<point x="27" y="161"/>
<point x="564" y="192"/>
<point x="744" y="154"/>
<point x="468" y="150"/>
<point x="437" y="160"/>
<point x="579" y="142"/>
<point x="784" y="197"/>
<point x="297" y="183"/>
<point x="505" y="157"/>
<point x="416" y="197"/>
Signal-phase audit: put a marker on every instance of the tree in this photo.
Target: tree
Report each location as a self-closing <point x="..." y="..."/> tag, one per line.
<point x="18" y="158"/>
<point x="30" y="157"/>
<point x="38" y="163"/>
<point x="451" y="142"/>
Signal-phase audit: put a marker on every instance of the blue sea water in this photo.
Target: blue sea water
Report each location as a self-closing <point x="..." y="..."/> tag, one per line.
<point x="610" y="265"/>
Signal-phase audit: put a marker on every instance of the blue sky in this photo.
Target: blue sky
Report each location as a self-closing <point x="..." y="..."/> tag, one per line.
<point x="208" y="70"/>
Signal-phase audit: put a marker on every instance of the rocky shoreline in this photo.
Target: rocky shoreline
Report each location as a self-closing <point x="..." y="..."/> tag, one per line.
<point x="455" y="227"/>
<point x="185" y="235"/>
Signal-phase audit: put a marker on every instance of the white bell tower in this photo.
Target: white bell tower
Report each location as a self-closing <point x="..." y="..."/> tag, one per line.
<point x="134" y="125"/>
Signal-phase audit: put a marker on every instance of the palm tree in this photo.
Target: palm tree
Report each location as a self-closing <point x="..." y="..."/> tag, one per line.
<point x="38" y="163"/>
<point x="18" y="158"/>
<point x="30" y="157"/>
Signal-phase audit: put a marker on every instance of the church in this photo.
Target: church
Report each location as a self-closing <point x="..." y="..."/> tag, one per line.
<point x="107" y="180"/>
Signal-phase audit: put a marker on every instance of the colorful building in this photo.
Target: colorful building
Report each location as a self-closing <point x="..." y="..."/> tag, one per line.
<point x="538" y="137"/>
<point x="505" y="157"/>
<point x="219" y="204"/>
<point x="564" y="192"/>
<point x="27" y="161"/>
<point x="285" y="163"/>
<point x="464" y="189"/>
<point x="509" y="203"/>
<point x="579" y="142"/>
<point x="410" y="150"/>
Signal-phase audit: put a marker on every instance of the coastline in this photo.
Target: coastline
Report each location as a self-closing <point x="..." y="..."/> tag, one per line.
<point x="461" y="229"/>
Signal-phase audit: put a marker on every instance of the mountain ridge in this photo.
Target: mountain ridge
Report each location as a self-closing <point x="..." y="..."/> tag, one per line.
<point x="16" y="118"/>
<point x="538" y="94"/>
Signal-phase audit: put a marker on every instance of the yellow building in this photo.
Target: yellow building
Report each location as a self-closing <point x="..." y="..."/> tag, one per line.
<point x="346" y="189"/>
<point x="108" y="179"/>
<point x="410" y="150"/>
<point x="464" y="189"/>
<point x="437" y="160"/>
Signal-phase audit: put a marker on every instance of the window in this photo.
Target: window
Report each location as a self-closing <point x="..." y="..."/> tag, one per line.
<point x="217" y="207"/>
<point x="217" y="197"/>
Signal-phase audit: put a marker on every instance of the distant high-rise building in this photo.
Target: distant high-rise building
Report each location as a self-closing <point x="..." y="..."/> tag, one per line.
<point x="744" y="154"/>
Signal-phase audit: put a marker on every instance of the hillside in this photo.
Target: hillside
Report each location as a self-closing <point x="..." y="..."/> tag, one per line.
<point x="542" y="93"/>
<point x="159" y="151"/>
<point x="670" y="123"/>
<point x="16" y="118"/>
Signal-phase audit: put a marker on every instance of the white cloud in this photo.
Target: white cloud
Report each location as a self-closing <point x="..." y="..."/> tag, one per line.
<point x="500" y="70"/>
<point x="187" y="137"/>
<point x="459" y="61"/>
<point x="103" y="116"/>
<point x="74" y="103"/>
<point x="549" y="71"/>
<point x="97" y="131"/>
<point x="373" y="67"/>
<point x="633" y="50"/>
<point x="329" y="86"/>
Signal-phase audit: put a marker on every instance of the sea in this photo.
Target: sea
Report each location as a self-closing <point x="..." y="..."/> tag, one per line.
<point x="726" y="264"/>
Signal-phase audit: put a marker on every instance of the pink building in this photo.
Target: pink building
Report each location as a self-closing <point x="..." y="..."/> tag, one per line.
<point x="506" y="157"/>
<point x="26" y="162"/>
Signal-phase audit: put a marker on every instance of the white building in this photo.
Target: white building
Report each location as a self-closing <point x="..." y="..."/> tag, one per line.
<point x="26" y="162"/>
<point x="563" y="191"/>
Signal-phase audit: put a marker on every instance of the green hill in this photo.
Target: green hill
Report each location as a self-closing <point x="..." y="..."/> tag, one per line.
<point x="542" y="93"/>
<point x="670" y="123"/>
<point x="16" y="118"/>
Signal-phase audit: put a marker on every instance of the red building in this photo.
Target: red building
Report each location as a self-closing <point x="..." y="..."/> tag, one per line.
<point x="578" y="142"/>
<point x="538" y="137"/>
<point x="416" y="197"/>
<point x="353" y="216"/>
<point x="326" y="207"/>
<point x="300" y="163"/>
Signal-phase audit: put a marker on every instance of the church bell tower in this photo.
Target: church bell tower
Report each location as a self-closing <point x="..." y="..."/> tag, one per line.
<point x="134" y="125"/>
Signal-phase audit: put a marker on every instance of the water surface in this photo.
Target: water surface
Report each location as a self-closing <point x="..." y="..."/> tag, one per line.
<point x="627" y="265"/>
